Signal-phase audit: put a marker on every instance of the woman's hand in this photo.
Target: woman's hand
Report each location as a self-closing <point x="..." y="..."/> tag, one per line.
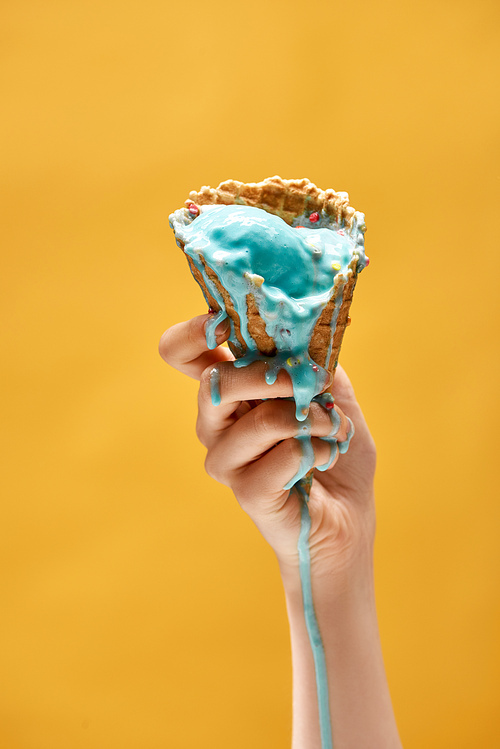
<point x="251" y="448"/>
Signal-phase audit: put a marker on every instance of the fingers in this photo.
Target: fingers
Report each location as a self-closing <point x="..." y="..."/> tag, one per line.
<point x="259" y="430"/>
<point x="184" y="346"/>
<point x="345" y="398"/>
<point x="247" y="383"/>
<point x="224" y="387"/>
<point x="356" y="470"/>
<point x="261" y="483"/>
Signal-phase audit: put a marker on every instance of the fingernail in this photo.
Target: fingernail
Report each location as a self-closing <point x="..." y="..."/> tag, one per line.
<point x="209" y="316"/>
<point x="344" y="446"/>
<point x="222" y="328"/>
<point x="327" y="380"/>
<point x="215" y="331"/>
<point x="215" y="387"/>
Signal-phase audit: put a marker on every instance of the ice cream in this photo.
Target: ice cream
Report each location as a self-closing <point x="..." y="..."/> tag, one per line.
<point x="284" y="279"/>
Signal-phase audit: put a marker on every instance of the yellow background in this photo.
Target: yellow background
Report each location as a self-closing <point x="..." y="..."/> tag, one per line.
<point x="140" y="608"/>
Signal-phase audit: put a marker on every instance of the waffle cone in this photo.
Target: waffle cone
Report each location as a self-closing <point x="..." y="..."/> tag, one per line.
<point x="290" y="200"/>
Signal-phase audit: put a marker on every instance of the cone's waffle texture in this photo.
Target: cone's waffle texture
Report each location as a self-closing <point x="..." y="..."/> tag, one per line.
<point x="286" y="198"/>
<point x="294" y="201"/>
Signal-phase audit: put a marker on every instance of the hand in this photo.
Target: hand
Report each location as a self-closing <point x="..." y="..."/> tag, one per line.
<point x="251" y="448"/>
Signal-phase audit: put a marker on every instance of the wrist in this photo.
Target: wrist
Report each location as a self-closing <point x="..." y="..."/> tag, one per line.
<point x="360" y="704"/>
<point x="341" y="561"/>
<point x="345" y="587"/>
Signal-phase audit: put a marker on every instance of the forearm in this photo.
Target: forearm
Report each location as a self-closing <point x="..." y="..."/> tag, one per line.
<point x="360" y="705"/>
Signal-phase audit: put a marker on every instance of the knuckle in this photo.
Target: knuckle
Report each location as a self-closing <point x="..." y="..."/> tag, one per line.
<point x="371" y="450"/>
<point x="270" y="419"/>
<point x="264" y="419"/>
<point x="212" y="467"/>
<point x="209" y="465"/>
<point x="242" y="489"/>
<point x="165" y="346"/>
<point x="193" y="332"/>
<point x="292" y="450"/>
<point x="200" y="432"/>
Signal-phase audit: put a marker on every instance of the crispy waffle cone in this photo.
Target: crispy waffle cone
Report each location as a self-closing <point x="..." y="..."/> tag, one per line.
<point x="288" y="199"/>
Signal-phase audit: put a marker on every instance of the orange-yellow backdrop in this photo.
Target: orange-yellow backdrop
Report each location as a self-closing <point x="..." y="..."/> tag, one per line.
<point x="140" y="608"/>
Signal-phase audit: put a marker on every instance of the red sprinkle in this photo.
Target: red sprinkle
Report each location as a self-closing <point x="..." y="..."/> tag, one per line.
<point x="314" y="217"/>
<point x="342" y="232"/>
<point x="193" y="209"/>
<point x="211" y="311"/>
<point x="329" y="406"/>
<point x="367" y="262"/>
<point x="315" y="368"/>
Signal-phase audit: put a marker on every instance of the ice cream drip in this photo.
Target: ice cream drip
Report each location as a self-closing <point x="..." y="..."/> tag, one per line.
<point x="304" y="437"/>
<point x="302" y="489"/>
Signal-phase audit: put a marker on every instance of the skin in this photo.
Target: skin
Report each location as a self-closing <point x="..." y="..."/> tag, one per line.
<point x="251" y="448"/>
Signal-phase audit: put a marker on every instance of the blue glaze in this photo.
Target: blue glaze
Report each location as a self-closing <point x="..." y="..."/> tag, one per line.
<point x="304" y="438"/>
<point x="324" y="399"/>
<point x="334" y="449"/>
<point x="313" y="631"/>
<point x="212" y="323"/>
<point x="215" y="387"/>
<point x="307" y="459"/>
<point x="292" y="274"/>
